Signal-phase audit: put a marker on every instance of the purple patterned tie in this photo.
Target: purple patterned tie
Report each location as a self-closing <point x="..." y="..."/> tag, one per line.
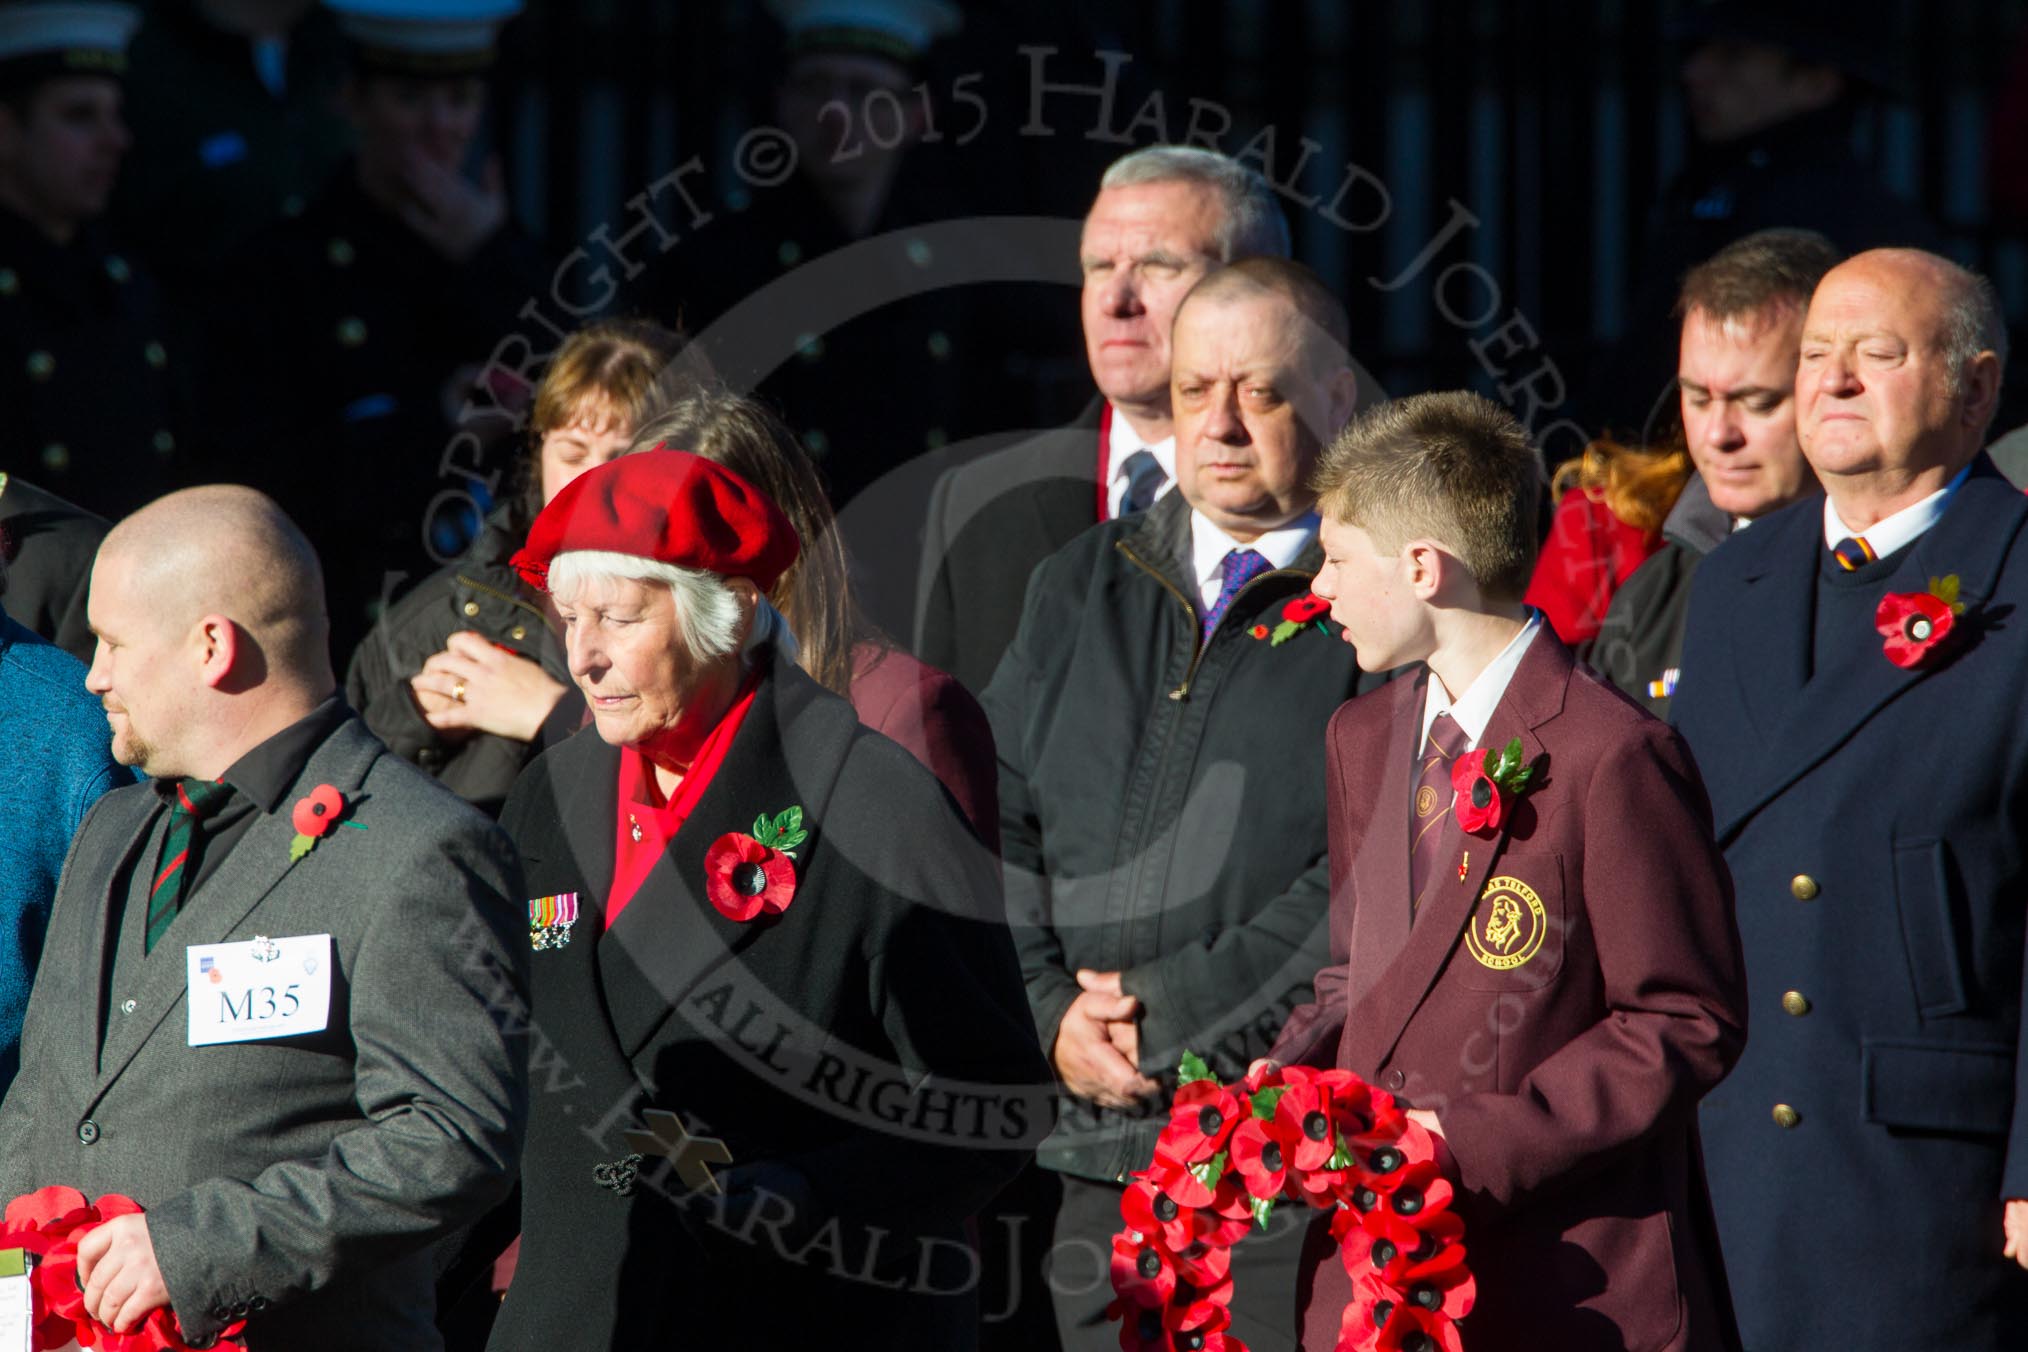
<point x="1241" y="567"/>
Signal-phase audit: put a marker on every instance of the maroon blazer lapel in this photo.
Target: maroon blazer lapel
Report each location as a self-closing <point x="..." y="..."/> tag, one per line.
<point x="1381" y="1012"/>
<point x="1380" y="868"/>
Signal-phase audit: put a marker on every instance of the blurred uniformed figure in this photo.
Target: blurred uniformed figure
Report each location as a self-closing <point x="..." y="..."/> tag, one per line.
<point x="883" y="387"/>
<point x="234" y="110"/>
<point x="85" y="377"/>
<point x="353" y="331"/>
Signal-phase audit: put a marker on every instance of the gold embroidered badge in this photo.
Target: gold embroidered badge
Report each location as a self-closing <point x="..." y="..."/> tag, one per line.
<point x="1507" y="929"/>
<point x="1425" y="801"/>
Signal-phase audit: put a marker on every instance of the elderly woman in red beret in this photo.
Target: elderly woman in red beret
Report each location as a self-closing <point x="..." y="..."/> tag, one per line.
<point x="780" y="1047"/>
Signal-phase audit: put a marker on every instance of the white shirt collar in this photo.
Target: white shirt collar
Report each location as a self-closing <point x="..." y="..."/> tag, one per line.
<point x="1474" y="709"/>
<point x="1209" y="545"/>
<point x="1122" y="441"/>
<point x="1891" y="533"/>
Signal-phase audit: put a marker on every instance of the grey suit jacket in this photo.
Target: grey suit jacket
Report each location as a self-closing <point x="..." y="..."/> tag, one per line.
<point x="299" y="1181"/>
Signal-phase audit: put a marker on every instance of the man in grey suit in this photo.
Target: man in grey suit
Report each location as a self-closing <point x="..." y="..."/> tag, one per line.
<point x="271" y="1000"/>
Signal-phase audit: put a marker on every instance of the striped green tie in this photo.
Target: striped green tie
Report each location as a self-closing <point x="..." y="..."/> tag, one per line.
<point x="196" y="799"/>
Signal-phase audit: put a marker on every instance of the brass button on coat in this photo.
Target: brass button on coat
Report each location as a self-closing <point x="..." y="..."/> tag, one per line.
<point x="1793" y="1002"/>
<point x="1786" y="1117"/>
<point x="518" y="632"/>
<point x="471" y="608"/>
<point x="1804" y="887"/>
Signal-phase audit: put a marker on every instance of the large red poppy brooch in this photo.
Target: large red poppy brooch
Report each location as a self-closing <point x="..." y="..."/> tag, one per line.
<point x="1302" y="612"/>
<point x="315" y="817"/>
<point x="1916" y="624"/>
<point x="748" y="875"/>
<point x="1487" y="786"/>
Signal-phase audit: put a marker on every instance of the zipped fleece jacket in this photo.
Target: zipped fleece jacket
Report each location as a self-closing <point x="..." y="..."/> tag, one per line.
<point x="1162" y="808"/>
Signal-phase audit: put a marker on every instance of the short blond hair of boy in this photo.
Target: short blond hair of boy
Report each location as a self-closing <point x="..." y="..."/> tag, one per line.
<point x="1453" y="467"/>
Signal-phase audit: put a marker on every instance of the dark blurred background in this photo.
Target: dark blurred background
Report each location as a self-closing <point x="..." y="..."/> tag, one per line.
<point x="1556" y="125"/>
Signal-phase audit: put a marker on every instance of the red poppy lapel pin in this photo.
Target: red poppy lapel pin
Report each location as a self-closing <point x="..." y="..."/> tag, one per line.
<point x="745" y="875"/>
<point x="1915" y="624"/>
<point x="315" y="817"/>
<point x="1487" y="786"/>
<point x="1301" y="611"/>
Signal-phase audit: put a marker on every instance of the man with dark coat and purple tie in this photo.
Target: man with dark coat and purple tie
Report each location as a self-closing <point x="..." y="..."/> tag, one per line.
<point x="1161" y="795"/>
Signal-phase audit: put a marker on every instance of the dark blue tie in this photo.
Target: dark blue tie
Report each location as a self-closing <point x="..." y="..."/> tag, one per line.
<point x="1144" y="482"/>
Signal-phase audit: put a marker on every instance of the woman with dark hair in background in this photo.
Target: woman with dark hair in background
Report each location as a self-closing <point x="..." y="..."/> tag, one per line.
<point x="465" y="675"/>
<point x="925" y="710"/>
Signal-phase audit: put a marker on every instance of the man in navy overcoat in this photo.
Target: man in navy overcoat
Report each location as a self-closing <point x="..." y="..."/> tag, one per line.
<point x="1854" y="673"/>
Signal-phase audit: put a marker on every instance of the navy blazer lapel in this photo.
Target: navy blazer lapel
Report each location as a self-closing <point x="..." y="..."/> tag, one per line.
<point x="670" y="937"/>
<point x="1771" y="630"/>
<point x="257" y="864"/>
<point x="1376" y="1022"/>
<point x="1380" y="870"/>
<point x="1971" y="540"/>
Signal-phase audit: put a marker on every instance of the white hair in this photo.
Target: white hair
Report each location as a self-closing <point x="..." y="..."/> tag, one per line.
<point x="707" y="612"/>
<point x="1251" y="223"/>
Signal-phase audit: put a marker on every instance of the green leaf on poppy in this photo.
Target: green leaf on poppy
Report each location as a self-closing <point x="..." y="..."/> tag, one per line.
<point x="301" y="846"/>
<point x="1264" y="1102"/>
<point x="1519" y="782"/>
<point x="1283" y="632"/>
<point x="763" y="829"/>
<point x="1341" y="1158"/>
<point x="1191" y="1069"/>
<point x="1208" y="1172"/>
<point x="1263" y="1207"/>
<point x="1945" y="589"/>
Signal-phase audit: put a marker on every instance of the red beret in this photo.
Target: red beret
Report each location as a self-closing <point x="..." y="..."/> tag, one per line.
<point x="670" y="506"/>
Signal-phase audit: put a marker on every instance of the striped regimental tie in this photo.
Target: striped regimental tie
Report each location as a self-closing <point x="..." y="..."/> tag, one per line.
<point x="196" y="800"/>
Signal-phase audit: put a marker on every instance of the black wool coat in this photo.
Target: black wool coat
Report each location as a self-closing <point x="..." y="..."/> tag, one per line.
<point x="865" y="1056"/>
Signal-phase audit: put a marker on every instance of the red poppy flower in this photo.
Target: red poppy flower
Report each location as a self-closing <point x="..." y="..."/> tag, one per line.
<point x="1380" y="1319"/>
<point x="1201" y="1119"/>
<point x="1259" y="631"/>
<point x="1258" y="1156"/>
<point x="316" y="815"/>
<point x="1480" y="802"/>
<point x="1230" y="1214"/>
<point x="1143" y="1273"/>
<point x="743" y="877"/>
<point x="1403" y="1213"/>
<point x="1199" y="1324"/>
<point x="1364" y="1250"/>
<point x="1304" y="1116"/>
<point x="1204" y="1266"/>
<point x="1913" y="623"/>
<point x="1309" y="606"/>
<point x="1149" y="1211"/>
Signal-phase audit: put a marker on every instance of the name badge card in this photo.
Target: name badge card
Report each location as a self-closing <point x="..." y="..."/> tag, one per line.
<point x="263" y="988"/>
<point x="17" y="1303"/>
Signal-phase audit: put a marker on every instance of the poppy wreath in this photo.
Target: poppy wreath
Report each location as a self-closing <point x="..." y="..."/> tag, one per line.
<point x="1487" y="786"/>
<point x="746" y="875"/>
<point x="1916" y="624"/>
<point x="48" y="1223"/>
<point x="1303" y="611"/>
<point x="1232" y="1153"/>
<point x="316" y="816"/>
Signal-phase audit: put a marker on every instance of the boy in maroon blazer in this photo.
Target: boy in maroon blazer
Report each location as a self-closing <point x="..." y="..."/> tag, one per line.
<point x="1539" y="957"/>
